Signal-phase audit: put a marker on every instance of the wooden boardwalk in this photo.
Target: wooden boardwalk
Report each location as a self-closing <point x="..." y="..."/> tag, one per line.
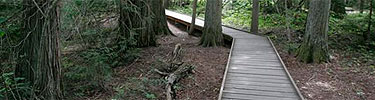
<point x="254" y="71"/>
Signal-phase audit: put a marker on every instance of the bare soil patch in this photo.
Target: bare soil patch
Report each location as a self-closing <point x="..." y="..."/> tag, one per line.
<point x="343" y="78"/>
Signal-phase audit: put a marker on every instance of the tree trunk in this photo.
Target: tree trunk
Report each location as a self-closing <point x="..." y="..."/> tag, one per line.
<point x="288" y="20"/>
<point x="314" y="47"/>
<point x="212" y="33"/>
<point x="193" y="16"/>
<point x="255" y="17"/>
<point x="159" y="19"/>
<point x="39" y="56"/>
<point x="360" y="6"/>
<point x="137" y="22"/>
<point x="366" y="36"/>
<point x="338" y="6"/>
<point x="166" y="3"/>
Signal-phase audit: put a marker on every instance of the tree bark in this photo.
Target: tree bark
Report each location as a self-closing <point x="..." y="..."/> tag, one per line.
<point x="366" y="36"/>
<point x="193" y="16"/>
<point x="255" y="17"/>
<point x="166" y="3"/>
<point x="338" y="6"/>
<point x="212" y="32"/>
<point x="39" y="56"/>
<point x="137" y="22"/>
<point x="360" y="6"/>
<point x="314" y="47"/>
<point x="287" y="20"/>
<point x="159" y="18"/>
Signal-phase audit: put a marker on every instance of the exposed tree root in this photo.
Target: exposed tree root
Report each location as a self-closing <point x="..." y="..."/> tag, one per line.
<point x="175" y="70"/>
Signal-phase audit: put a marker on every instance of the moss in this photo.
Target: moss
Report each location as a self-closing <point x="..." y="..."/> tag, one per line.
<point x="312" y="53"/>
<point x="212" y="38"/>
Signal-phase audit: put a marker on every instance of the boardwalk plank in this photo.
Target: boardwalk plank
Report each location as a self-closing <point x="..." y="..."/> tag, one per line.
<point x="254" y="64"/>
<point x="239" y="67"/>
<point x="232" y="96"/>
<point x="257" y="75"/>
<point x="260" y="88"/>
<point x="264" y="73"/>
<point x="262" y="93"/>
<point x="234" y="83"/>
<point x="256" y="61"/>
<point x="255" y="79"/>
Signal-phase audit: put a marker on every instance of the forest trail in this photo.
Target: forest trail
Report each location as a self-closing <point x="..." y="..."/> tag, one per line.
<point x="254" y="71"/>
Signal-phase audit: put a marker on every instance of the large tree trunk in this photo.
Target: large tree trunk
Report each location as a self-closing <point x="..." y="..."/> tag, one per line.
<point x="159" y="19"/>
<point x="366" y="36"/>
<point x="166" y="3"/>
<point x="39" y="56"/>
<point x="255" y="17"/>
<point x="193" y="16"/>
<point x="212" y="33"/>
<point x="137" y="22"/>
<point x="314" y="47"/>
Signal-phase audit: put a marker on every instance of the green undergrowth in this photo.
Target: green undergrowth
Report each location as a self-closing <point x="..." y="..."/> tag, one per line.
<point x="92" y="47"/>
<point x="11" y="87"/>
<point x="345" y="40"/>
<point x="201" y="6"/>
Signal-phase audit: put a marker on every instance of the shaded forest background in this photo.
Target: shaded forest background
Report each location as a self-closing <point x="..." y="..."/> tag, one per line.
<point x="92" y="45"/>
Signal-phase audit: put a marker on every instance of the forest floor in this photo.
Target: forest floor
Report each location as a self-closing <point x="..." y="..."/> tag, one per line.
<point x="343" y="78"/>
<point x="339" y="79"/>
<point x="140" y="81"/>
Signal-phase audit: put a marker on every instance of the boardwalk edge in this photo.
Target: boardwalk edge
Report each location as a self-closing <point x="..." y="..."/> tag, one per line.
<point x="226" y="70"/>
<point x="286" y="70"/>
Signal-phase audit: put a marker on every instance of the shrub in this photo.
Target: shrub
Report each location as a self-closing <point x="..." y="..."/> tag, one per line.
<point x="13" y="88"/>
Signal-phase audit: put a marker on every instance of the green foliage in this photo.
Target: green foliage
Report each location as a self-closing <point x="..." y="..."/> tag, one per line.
<point x="177" y="87"/>
<point x="91" y="73"/>
<point x="92" y="69"/>
<point x="120" y="93"/>
<point x="2" y="33"/>
<point x="238" y="14"/>
<point x="2" y="20"/>
<point x="348" y="32"/>
<point x="354" y="23"/>
<point x="291" y="47"/>
<point x="10" y="27"/>
<point x="124" y="50"/>
<point x="82" y="20"/>
<point x="372" y="69"/>
<point x="11" y="87"/>
<point x="90" y="26"/>
<point x="150" y="96"/>
<point x="201" y="6"/>
<point x="271" y="20"/>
